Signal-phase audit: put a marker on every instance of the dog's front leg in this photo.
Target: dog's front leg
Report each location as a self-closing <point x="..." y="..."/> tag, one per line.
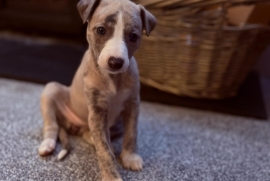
<point x="98" y="110"/>
<point x="130" y="159"/>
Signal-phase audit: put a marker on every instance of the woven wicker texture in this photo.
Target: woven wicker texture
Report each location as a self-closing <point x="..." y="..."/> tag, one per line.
<point x="193" y="52"/>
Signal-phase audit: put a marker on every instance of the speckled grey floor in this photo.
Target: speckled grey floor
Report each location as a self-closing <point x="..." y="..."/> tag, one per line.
<point x="176" y="143"/>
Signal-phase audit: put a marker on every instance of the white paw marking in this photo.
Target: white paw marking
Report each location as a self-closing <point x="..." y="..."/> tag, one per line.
<point x="119" y="179"/>
<point x="109" y="179"/>
<point x="47" y="146"/>
<point x="62" y="154"/>
<point x="132" y="161"/>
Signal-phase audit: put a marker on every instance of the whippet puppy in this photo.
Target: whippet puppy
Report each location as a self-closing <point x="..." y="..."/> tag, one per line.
<point x="105" y="88"/>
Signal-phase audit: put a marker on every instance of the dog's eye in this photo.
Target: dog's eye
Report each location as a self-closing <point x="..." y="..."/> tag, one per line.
<point x="133" y="37"/>
<point x="101" y="31"/>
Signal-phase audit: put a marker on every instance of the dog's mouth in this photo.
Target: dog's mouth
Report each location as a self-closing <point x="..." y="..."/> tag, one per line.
<point x="115" y="72"/>
<point x="111" y="71"/>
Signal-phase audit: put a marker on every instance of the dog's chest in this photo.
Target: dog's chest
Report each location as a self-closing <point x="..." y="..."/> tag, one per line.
<point x="117" y="100"/>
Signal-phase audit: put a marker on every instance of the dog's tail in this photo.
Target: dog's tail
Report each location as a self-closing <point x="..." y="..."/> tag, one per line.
<point x="63" y="137"/>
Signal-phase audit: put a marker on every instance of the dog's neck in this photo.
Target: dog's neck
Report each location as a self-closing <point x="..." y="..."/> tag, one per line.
<point x="116" y="79"/>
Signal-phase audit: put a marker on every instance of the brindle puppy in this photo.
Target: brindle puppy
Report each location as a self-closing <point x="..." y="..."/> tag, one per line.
<point x="105" y="87"/>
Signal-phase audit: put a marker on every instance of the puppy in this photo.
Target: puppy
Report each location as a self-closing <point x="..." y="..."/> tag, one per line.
<point x="105" y="88"/>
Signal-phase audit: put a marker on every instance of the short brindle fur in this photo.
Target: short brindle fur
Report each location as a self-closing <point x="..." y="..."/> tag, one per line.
<point x="105" y="89"/>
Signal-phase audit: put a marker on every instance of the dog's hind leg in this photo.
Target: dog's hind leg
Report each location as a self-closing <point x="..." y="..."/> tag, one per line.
<point x="49" y="98"/>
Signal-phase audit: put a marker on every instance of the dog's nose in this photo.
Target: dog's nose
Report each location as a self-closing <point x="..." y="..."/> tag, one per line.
<point x="115" y="63"/>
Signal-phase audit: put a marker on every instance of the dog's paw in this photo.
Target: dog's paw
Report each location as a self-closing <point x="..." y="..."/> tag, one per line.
<point x="47" y="146"/>
<point x="132" y="161"/>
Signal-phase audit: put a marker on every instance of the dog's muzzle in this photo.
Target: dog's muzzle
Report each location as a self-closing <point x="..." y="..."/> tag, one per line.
<point x="115" y="63"/>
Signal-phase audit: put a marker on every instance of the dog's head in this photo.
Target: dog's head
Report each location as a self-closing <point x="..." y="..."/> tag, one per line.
<point x="114" y="30"/>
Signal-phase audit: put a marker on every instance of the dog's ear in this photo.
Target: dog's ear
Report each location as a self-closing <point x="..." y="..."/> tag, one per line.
<point x="148" y="20"/>
<point x="86" y="8"/>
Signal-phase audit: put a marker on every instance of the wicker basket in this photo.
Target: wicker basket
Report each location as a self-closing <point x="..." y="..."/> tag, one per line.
<point x="193" y="52"/>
